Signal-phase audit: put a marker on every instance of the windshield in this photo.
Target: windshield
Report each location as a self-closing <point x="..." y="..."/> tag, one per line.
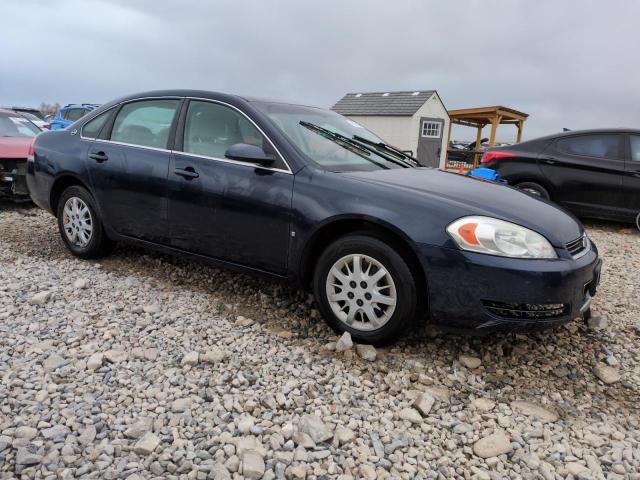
<point x="321" y="149"/>
<point x="16" y="126"/>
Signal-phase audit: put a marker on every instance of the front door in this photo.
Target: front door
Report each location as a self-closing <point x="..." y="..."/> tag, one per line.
<point x="229" y="210"/>
<point x="586" y="172"/>
<point x="430" y="141"/>
<point x="129" y="168"/>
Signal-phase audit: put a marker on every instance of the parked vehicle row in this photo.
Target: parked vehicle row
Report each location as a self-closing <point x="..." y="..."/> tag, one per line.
<point x="307" y="196"/>
<point x="593" y="173"/>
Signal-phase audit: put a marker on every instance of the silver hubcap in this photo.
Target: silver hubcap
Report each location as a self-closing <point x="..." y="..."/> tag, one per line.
<point x="77" y="222"/>
<point x="361" y="292"/>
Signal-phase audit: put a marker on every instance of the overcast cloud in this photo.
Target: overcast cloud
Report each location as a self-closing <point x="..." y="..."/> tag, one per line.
<point x="566" y="63"/>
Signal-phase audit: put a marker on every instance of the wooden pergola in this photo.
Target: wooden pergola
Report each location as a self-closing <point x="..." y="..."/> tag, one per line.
<point x="481" y="117"/>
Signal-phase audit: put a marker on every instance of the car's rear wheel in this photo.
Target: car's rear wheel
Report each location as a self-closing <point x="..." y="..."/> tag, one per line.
<point x="534" y="189"/>
<point x="365" y="287"/>
<point x="79" y="224"/>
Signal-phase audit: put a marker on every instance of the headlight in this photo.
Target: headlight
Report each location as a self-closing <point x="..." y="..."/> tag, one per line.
<point x="497" y="237"/>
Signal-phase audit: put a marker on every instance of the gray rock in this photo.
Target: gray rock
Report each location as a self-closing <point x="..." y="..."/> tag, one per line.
<point x="139" y="428"/>
<point x="56" y="433"/>
<point x="469" y="361"/>
<point x="27" y="433"/>
<point x="190" y="359"/>
<point x="313" y="426"/>
<point x="533" y="410"/>
<point x="366" y="352"/>
<point x="54" y="361"/>
<point x="606" y="373"/>
<point x="253" y="466"/>
<point x="81" y="283"/>
<point x="213" y="356"/>
<point x="27" y="456"/>
<point x="423" y="403"/>
<point x="411" y="415"/>
<point x="95" y="361"/>
<point x="116" y="356"/>
<point x="40" y="298"/>
<point x="344" y="342"/>
<point x="492" y="445"/>
<point x="147" y="444"/>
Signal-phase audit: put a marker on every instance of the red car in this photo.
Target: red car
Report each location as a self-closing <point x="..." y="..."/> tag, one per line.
<point x="17" y="135"/>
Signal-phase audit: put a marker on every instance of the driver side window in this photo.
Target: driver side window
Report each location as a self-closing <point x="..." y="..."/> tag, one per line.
<point x="210" y="129"/>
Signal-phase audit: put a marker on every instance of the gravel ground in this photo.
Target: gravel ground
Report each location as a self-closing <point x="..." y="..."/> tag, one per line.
<point x="143" y="365"/>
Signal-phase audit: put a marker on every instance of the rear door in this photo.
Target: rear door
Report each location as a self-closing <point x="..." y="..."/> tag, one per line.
<point x="129" y="168"/>
<point x="231" y="210"/>
<point x="631" y="181"/>
<point x="586" y="172"/>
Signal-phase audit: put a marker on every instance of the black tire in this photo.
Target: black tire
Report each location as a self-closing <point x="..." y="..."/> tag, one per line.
<point x="534" y="189"/>
<point x="98" y="243"/>
<point x="408" y="306"/>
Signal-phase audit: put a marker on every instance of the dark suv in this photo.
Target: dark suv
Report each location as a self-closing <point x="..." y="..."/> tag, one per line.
<point x="593" y="173"/>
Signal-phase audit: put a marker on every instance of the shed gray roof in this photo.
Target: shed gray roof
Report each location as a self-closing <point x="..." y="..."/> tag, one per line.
<point x="382" y="103"/>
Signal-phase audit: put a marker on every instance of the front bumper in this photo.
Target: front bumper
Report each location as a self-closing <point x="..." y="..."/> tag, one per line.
<point x="472" y="291"/>
<point x="13" y="182"/>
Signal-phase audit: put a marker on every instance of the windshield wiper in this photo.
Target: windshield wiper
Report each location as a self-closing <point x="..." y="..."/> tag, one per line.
<point x="341" y="139"/>
<point x="388" y="148"/>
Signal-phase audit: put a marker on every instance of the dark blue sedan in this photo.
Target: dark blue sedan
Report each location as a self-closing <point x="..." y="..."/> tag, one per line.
<point x="305" y="195"/>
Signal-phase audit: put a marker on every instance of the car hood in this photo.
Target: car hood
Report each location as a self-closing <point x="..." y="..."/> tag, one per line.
<point x="15" y="147"/>
<point x="472" y="196"/>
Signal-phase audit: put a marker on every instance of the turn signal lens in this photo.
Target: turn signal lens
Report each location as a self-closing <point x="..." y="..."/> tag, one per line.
<point x="498" y="237"/>
<point x="468" y="233"/>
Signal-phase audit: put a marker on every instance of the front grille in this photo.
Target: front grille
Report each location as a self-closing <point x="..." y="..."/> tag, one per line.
<point x="577" y="246"/>
<point x="526" y="311"/>
<point x="12" y="165"/>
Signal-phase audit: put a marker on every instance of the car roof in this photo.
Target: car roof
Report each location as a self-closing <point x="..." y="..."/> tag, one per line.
<point x="590" y="131"/>
<point x="206" y="94"/>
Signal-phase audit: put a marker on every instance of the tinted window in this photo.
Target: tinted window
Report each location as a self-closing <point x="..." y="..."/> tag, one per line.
<point x="74" y="114"/>
<point x="600" y="146"/>
<point x="92" y="128"/>
<point x="210" y="129"/>
<point x="635" y="148"/>
<point x="146" y="123"/>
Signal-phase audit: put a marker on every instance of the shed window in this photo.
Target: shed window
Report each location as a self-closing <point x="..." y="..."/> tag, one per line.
<point x="431" y="129"/>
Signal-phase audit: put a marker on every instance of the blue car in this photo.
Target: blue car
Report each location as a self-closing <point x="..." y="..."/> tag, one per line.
<point x="309" y="197"/>
<point x="69" y="114"/>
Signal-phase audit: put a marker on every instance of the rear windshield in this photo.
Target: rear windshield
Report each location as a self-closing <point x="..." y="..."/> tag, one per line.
<point x="318" y="149"/>
<point x="16" y="126"/>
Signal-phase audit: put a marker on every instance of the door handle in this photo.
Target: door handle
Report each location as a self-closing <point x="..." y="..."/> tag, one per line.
<point x="636" y="173"/>
<point x="99" y="157"/>
<point x="549" y="161"/>
<point x="188" y="172"/>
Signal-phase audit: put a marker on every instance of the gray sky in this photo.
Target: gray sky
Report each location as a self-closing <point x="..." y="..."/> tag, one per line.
<point x="571" y="63"/>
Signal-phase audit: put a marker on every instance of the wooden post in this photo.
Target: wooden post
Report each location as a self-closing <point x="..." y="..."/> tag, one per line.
<point x="478" y="146"/>
<point x="446" y="152"/>
<point x="520" y="125"/>
<point x="495" y="121"/>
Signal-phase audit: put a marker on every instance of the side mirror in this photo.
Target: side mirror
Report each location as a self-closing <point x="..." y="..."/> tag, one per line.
<point x="244" y="152"/>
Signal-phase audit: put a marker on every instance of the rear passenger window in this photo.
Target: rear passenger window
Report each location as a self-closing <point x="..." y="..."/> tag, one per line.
<point x="92" y="128"/>
<point x="635" y="148"/>
<point x="146" y="123"/>
<point x="599" y="146"/>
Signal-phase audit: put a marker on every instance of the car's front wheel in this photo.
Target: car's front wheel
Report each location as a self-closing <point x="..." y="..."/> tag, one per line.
<point x="365" y="287"/>
<point x="79" y="224"/>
